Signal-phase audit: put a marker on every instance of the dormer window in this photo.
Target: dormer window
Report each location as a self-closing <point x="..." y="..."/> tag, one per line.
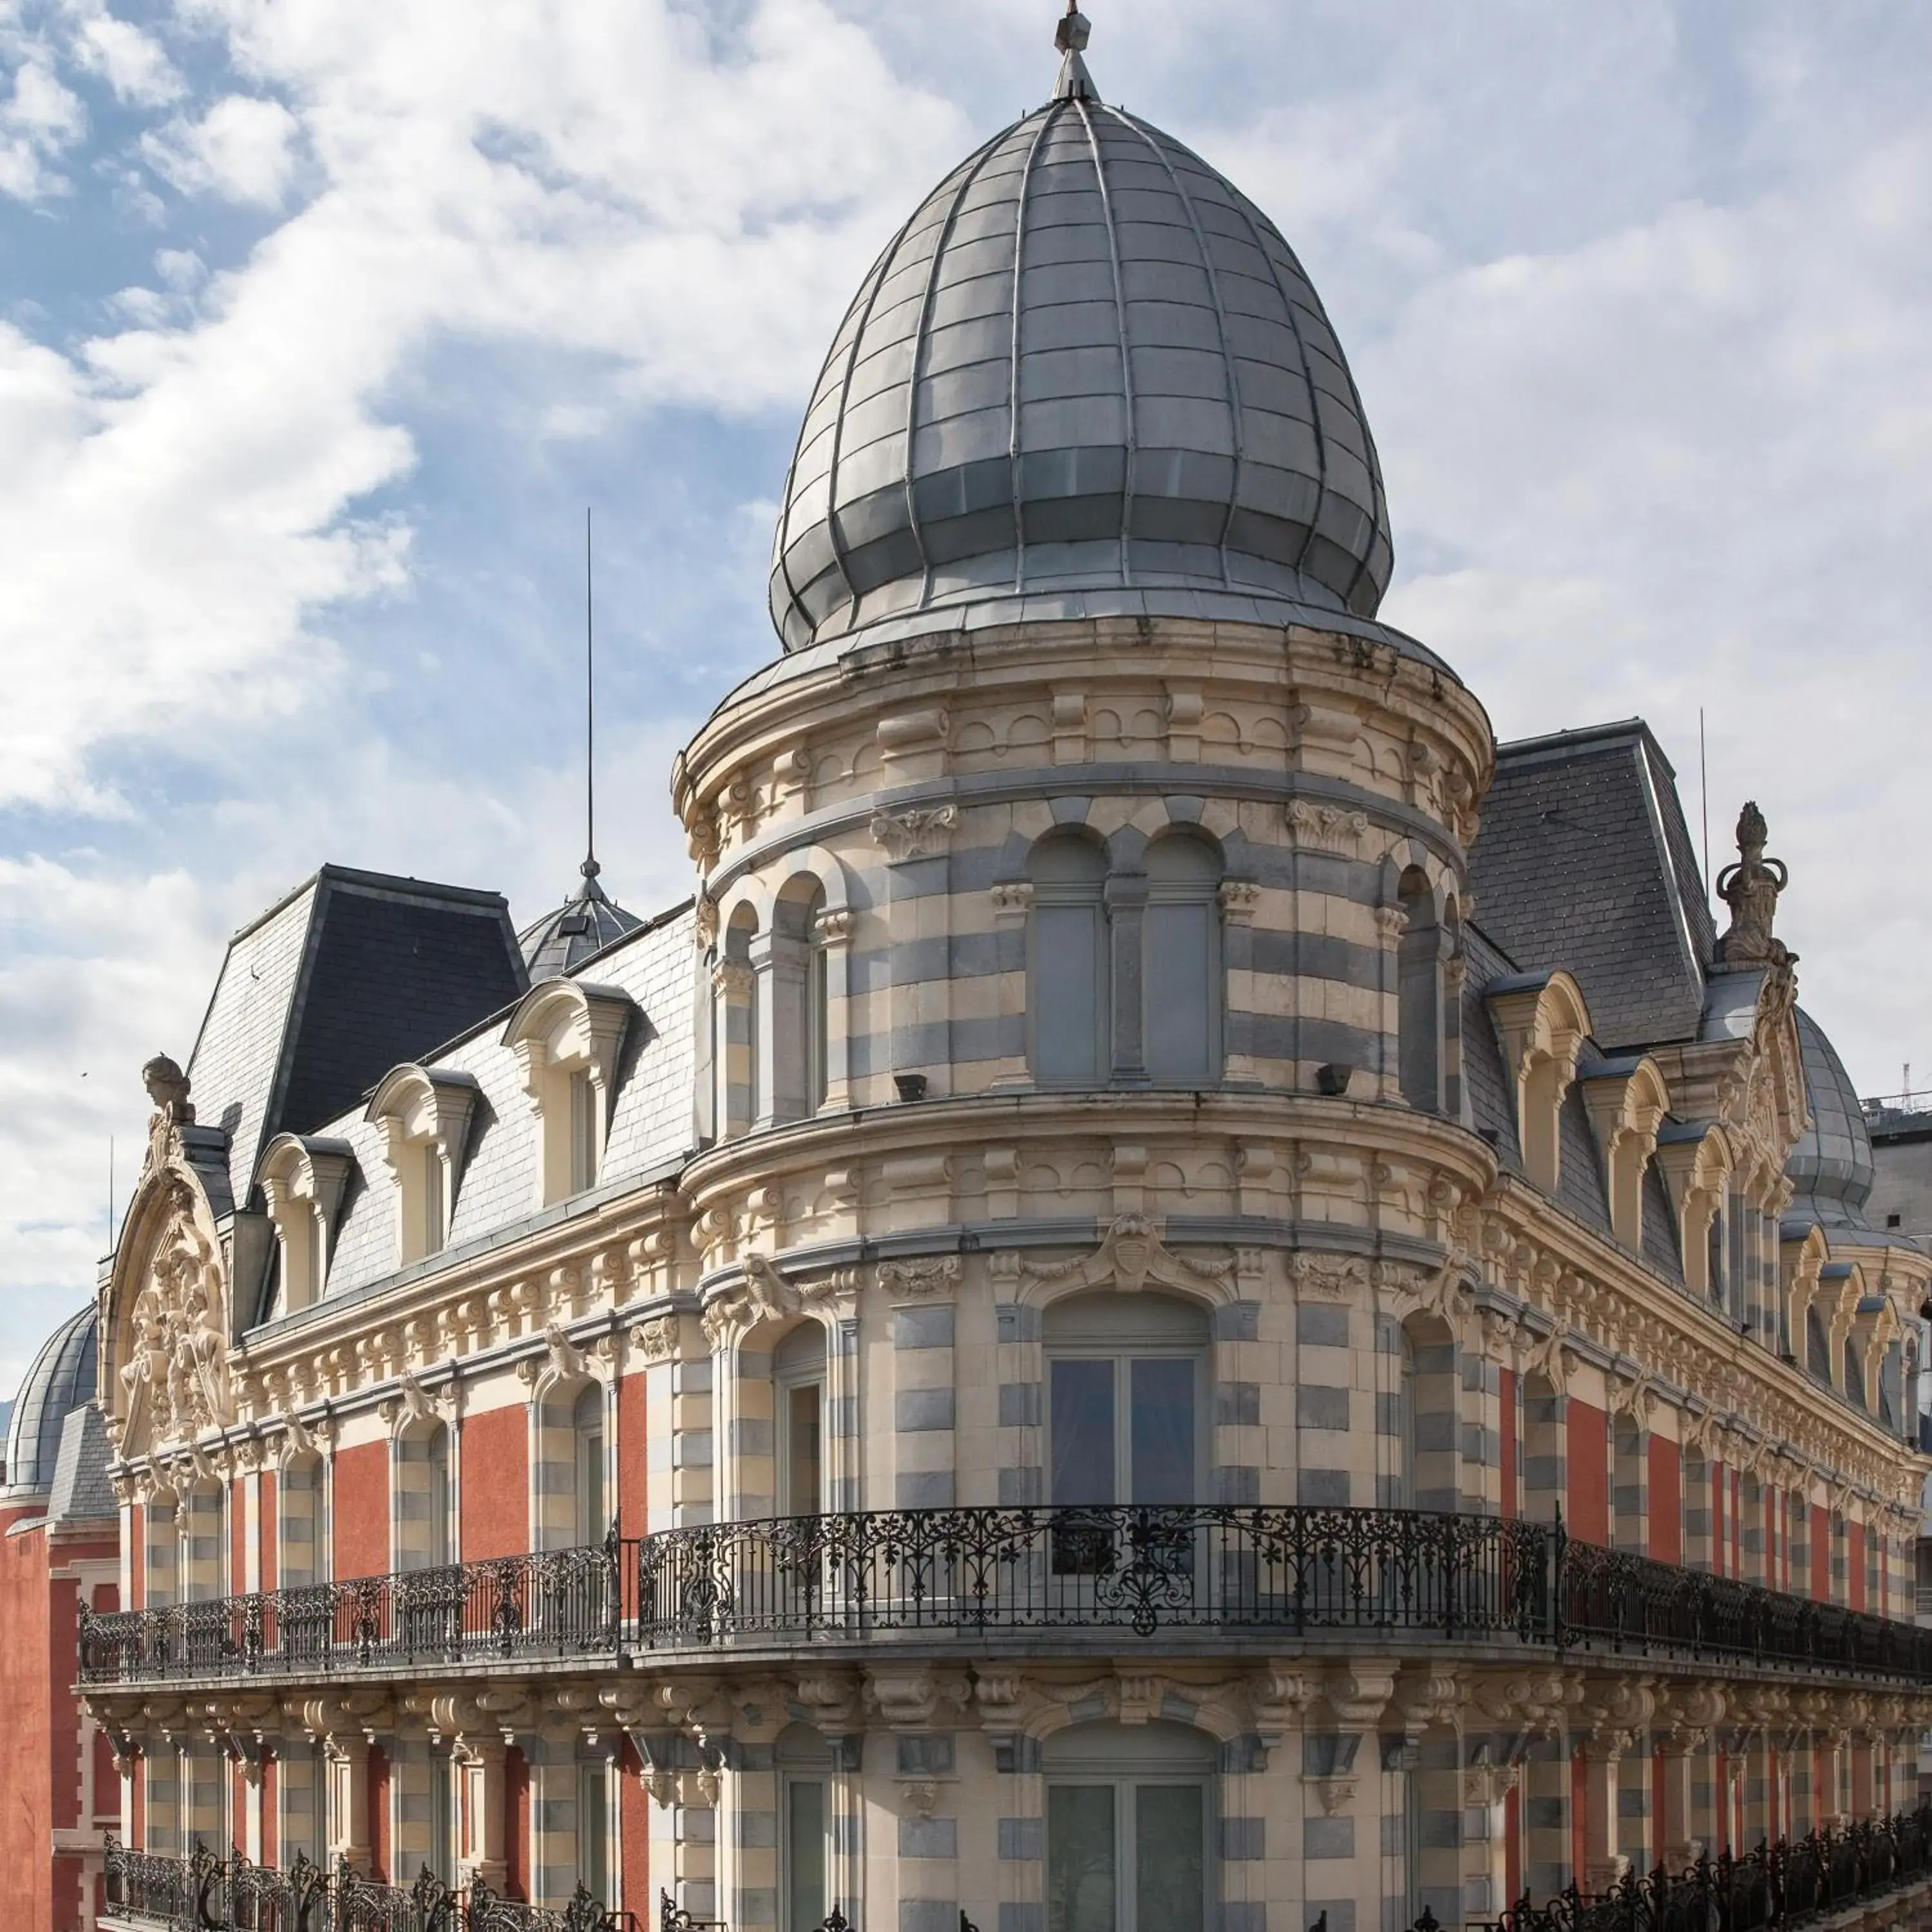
<point x="424" y="1115"/>
<point x="566" y="1037"/>
<point x="1542" y="1023"/>
<point x="301" y="1183"/>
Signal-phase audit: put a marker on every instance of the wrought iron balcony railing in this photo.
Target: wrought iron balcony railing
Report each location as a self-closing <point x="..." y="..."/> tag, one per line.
<point x="211" y="1893"/>
<point x="1777" y="1888"/>
<point x="968" y="1574"/>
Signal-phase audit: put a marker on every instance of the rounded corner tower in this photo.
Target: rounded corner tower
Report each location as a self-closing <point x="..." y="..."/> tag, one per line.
<point x="1088" y="377"/>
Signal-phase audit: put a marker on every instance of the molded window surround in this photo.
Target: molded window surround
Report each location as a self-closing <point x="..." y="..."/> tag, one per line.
<point x="302" y="1183"/>
<point x="567" y="1036"/>
<point x="424" y="1115"/>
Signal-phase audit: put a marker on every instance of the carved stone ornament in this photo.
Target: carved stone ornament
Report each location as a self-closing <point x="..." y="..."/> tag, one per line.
<point x="704" y="922"/>
<point x="939" y="1276"/>
<point x="1328" y="1277"/>
<point x="1131" y="1255"/>
<point x="919" y="1797"/>
<point x="657" y="1339"/>
<point x="915" y="835"/>
<point x="1486" y="1784"/>
<point x="1336" y="1794"/>
<point x="762" y="1294"/>
<point x="1751" y="888"/>
<point x="1334" y="828"/>
<point x="178" y="1354"/>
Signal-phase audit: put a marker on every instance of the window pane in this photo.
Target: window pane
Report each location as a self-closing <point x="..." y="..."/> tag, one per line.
<point x="592" y="1520"/>
<point x="592" y="1822"/>
<point x="1170" y="1877"/>
<point x="1065" y="975"/>
<point x="1162" y="1432"/>
<point x="1082" y="1426"/>
<point x="803" y="1496"/>
<point x="1179" y="942"/>
<point x="582" y="1134"/>
<point x="805" y="1855"/>
<point x="1080" y="1883"/>
<point x="433" y="1230"/>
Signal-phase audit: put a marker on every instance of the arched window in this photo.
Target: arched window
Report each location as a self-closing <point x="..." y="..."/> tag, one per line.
<point x="1181" y="977"/>
<point x="422" y="1497"/>
<point x="1126" y="1378"/>
<point x="1430" y="1466"/>
<point x="804" y="1762"/>
<point x="587" y="1438"/>
<point x="798" y="1410"/>
<point x="737" y="987"/>
<point x="1419" y="995"/>
<point x="795" y="974"/>
<point x="1070" y="1005"/>
<point x="1128" y="1828"/>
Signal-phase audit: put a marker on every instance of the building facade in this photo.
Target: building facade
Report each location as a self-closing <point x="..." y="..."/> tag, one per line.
<point x="1182" y="1294"/>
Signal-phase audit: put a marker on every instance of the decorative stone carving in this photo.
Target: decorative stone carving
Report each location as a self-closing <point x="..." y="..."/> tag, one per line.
<point x="1328" y="1277"/>
<point x="836" y="927"/>
<point x="1129" y="1257"/>
<point x="1013" y="900"/>
<point x="920" y="1278"/>
<point x="657" y="1339"/>
<point x="1751" y="888"/>
<point x="915" y="835"/>
<point x="1239" y="898"/>
<point x="1333" y="828"/>
<point x="919" y="1797"/>
<point x="704" y="922"/>
<point x="178" y="1352"/>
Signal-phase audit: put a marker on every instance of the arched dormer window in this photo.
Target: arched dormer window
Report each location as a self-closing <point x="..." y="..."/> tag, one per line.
<point x="1544" y="1023"/>
<point x="1626" y="1101"/>
<point x="1069" y="1004"/>
<point x="424" y="1115"/>
<point x="566" y="1035"/>
<point x="1181" y="976"/>
<point x="1696" y="1160"/>
<point x="302" y="1182"/>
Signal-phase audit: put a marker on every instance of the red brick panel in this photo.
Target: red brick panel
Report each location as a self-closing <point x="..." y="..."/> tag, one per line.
<point x="632" y="1478"/>
<point x="271" y="1525"/>
<point x="362" y="1510"/>
<point x="1855" y="1564"/>
<point x="1587" y="1451"/>
<point x="26" y="1819"/>
<point x="1666" y="1501"/>
<point x="379" y="1813"/>
<point x="517" y="1823"/>
<point x="1821" y="1554"/>
<point x="496" y="1483"/>
<point x="634" y="1825"/>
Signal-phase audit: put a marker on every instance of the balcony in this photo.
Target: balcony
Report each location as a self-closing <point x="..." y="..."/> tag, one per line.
<point x="1222" y="1574"/>
<point x="234" y="1894"/>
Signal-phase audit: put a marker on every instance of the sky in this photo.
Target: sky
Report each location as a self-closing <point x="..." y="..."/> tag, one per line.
<point x="323" y="322"/>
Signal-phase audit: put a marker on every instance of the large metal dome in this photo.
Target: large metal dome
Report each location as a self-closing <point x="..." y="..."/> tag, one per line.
<point x="1088" y="377"/>
<point x="62" y="1379"/>
<point x="1831" y="1169"/>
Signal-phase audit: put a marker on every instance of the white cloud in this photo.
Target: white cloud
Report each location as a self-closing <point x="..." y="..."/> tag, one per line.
<point x="133" y="64"/>
<point x="39" y="120"/>
<point x="243" y="149"/>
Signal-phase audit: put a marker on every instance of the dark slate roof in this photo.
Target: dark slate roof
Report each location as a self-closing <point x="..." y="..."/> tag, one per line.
<point x="578" y="930"/>
<point x="81" y="1489"/>
<point x="1584" y="862"/>
<point x="351" y="974"/>
<point x="61" y="1378"/>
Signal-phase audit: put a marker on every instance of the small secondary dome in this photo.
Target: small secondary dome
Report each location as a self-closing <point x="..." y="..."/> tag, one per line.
<point x="1830" y="1167"/>
<point x="1088" y="371"/>
<point x="62" y="1379"/>
<point x="586" y="922"/>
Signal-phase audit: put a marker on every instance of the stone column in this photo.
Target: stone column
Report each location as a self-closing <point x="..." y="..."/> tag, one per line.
<point x="1603" y="1864"/>
<point x="348" y="1761"/>
<point x="1681" y="1843"/>
<point x="1012" y="908"/>
<point x="481" y="1855"/>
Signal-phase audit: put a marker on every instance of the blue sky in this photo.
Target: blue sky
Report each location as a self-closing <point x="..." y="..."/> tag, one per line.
<point x="321" y="321"/>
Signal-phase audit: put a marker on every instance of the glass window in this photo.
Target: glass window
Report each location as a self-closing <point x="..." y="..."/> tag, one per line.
<point x="1182" y="979"/>
<point x="582" y="1133"/>
<point x="1126" y="1856"/>
<point x="435" y="1215"/>
<point x="592" y="1516"/>
<point x="1095" y="1461"/>
<point x="593" y="1831"/>
<point x="1068" y="1006"/>
<point x="798" y="1400"/>
<point x="806" y="1816"/>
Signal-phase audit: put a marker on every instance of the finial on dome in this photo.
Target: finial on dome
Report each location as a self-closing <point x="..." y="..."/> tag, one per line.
<point x="1750" y="889"/>
<point x="1074" y="31"/>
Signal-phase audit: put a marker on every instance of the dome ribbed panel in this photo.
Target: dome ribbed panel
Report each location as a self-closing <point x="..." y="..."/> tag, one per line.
<point x="1087" y="364"/>
<point x="62" y="1377"/>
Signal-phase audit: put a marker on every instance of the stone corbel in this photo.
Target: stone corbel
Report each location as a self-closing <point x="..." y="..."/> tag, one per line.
<point x="922" y="1280"/>
<point x="907" y="836"/>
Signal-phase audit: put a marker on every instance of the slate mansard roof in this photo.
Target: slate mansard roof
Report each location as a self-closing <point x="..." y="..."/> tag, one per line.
<point x="351" y="974"/>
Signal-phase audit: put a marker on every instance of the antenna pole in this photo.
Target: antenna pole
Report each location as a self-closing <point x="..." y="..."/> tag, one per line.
<point x="590" y="706"/>
<point x="110" y="1194"/>
<point x="1704" y="785"/>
